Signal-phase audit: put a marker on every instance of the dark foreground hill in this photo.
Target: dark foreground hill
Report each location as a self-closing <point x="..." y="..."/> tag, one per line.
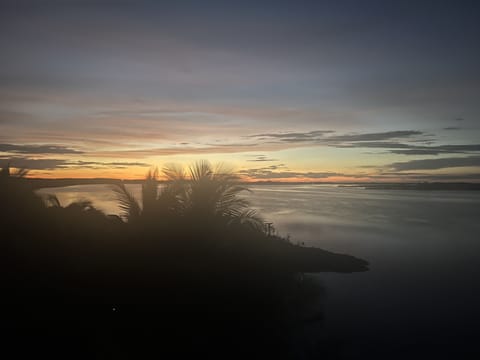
<point x="189" y="271"/>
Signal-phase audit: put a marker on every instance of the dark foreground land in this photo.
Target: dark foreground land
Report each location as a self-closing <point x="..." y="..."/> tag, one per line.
<point x="191" y="272"/>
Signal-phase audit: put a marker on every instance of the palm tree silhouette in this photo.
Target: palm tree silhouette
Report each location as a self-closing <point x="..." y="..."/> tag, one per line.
<point x="6" y="172"/>
<point x="213" y="194"/>
<point x="16" y="195"/>
<point x="205" y="195"/>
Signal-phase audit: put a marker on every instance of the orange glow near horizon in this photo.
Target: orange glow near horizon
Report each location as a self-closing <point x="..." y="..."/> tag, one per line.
<point x="136" y="175"/>
<point x="123" y="174"/>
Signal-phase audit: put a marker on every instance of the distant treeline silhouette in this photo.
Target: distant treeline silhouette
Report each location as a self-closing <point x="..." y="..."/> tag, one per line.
<point x="192" y="260"/>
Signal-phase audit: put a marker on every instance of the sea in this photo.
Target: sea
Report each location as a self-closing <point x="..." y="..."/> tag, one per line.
<point x="421" y="295"/>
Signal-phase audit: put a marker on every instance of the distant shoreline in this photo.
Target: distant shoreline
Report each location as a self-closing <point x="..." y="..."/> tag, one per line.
<point x="457" y="186"/>
<point x="38" y="183"/>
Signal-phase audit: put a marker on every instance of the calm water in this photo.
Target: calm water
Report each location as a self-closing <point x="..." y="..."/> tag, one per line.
<point x="422" y="293"/>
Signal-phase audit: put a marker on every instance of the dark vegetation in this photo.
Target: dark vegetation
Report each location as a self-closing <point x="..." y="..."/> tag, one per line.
<point x="190" y="270"/>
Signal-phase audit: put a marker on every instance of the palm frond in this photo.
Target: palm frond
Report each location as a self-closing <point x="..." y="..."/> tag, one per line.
<point x="129" y="206"/>
<point x="173" y="172"/>
<point x="51" y="200"/>
<point x="251" y="219"/>
<point x="6" y="172"/>
<point x="201" y="171"/>
<point x="20" y="173"/>
<point x="150" y="190"/>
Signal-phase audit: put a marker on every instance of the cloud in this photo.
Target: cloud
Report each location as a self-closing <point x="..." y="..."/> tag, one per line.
<point x="34" y="164"/>
<point x="319" y="136"/>
<point x="417" y="176"/>
<point x="379" y="136"/>
<point x="293" y="136"/>
<point x="330" y="138"/>
<point x="375" y="144"/>
<point x="452" y="128"/>
<point x="267" y="174"/>
<point x="378" y="140"/>
<point x="270" y="172"/>
<point x="51" y="164"/>
<point x="434" y="164"/>
<point x="38" y="149"/>
<point x="189" y="150"/>
<point x="417" y="152"/>
<point x="413" y="145"/>
<point x="262" y="158"/>
<point x="100" y="164"/>
<point x="471" y="147"/>
<point x="436" y="150"/>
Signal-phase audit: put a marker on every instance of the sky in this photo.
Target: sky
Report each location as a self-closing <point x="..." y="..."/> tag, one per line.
<point x="277" y="90"/>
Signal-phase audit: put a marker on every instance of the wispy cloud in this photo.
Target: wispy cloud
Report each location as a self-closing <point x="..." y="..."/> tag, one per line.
<point x="267" y="174"/>
<point x="38" y="149"/>
<point x="114" y="164"/>
<point x="281" y="171"/>
<point x="418" y="152"/>
<point x="434" y="164"/>
<point x="379" y="136"/>
<point x="293" y="136"/>
<point x="389" y="139"/>
<point x="34" y="164"/>
<point x="320" y="135"/>
<point x="436" y="150"/>
<point x="261" y="158"/>
<point x="413" y="142"/>
<point x="52" y="164"/>
<point x="425" y="176"/>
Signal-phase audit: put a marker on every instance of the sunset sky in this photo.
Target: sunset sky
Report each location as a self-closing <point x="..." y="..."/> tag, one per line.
<point x="278" y="90"/>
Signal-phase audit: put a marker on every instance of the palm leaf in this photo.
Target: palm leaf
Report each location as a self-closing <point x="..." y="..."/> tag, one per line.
<point x="173" y="173"/>
<point x="251" y="219"/>
<point x="150" y="191"/>
<point x="51" y="200"/>
<point x="129" y="206"/>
